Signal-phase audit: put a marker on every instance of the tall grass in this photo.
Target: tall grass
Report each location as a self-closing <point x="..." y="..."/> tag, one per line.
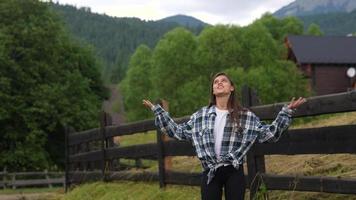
<point x="126" y="190"/>
<point x="341" y="165"/>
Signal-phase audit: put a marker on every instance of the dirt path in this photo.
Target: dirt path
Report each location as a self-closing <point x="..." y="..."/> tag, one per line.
<point x="117" y="118"/>
<point x="32" y="196"/>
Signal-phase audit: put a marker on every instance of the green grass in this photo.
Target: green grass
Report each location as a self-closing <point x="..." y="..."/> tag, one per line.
<point x="311" y="165"/>
<point x="325" y="120"/>
<point x="138" y="138"/>
<point x="293" y="195"/>
<point x="126" y="190"/>
<point x="31" y="190"/>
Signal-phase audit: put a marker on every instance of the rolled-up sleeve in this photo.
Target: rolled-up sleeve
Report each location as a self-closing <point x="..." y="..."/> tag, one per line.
<point x="167" y="125"/>
<point x="272" y="132"/>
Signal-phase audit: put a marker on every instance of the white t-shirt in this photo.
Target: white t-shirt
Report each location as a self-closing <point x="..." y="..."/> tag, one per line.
<point x="219" y="125"/>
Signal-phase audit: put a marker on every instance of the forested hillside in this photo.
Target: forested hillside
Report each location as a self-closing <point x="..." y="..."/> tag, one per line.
<point x="47" y="81"/>
<point x="313" y="7"/>
<point x="115" y="39"/>
<point x="334" y="17"/>
<point x="187" y="21"/>
<point x="341" y="23"/>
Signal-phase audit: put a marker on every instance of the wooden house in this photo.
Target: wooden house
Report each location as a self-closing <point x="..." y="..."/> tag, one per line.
<point x="329" y="62"/>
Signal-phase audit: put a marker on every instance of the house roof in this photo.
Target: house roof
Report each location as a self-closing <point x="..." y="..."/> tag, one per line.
<point x="323" y="49"/>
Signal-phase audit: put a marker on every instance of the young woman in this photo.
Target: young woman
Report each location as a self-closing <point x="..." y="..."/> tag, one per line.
<point x="222" y="133"/>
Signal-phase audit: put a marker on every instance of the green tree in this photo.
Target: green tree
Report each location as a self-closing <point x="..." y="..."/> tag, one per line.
<point x="182" y="64"/>
<point x="276" y="82"/>
<point x="173" y="66"/>
<point x="137" y="84"/>
<point x="115" y="39"/>
<point x="280" y="28"/>
<point x="314" y="29"/>
<point x="219" y="47"/>
<point x="193" y="95"/>
<point x="47" y="80"/>
<point x="258" y="45"/>
<point x="239" y="76"/>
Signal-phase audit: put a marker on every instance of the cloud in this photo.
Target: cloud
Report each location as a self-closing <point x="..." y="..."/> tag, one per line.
<point x="226" y="11"/>
<point x="239" y="12"/>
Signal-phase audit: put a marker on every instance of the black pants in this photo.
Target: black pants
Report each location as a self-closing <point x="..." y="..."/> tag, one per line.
<point x="227" y="177"/>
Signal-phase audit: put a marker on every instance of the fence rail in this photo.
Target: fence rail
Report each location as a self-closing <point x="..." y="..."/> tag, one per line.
<point x="310" y="183"/>
<point x="324" y="140"/>
<point x="33" y="179"/>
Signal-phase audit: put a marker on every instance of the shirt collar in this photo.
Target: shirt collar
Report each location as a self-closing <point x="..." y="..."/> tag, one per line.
<point x="211" y="110"/>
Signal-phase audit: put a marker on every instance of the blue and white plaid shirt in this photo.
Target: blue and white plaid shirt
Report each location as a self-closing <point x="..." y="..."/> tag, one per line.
<point x="236" y="141"/>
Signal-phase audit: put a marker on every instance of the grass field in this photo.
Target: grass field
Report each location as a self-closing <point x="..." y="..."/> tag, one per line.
<point x="340" y="165"/>
<point x="32" y="190"/>
<point x="132" y="191"/>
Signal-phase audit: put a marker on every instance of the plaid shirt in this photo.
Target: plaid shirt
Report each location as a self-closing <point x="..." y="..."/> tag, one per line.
<point x="236" y="141"/>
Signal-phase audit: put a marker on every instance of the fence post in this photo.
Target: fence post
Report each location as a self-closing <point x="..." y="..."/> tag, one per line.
<point x="87" y="149"/>
<point x="255" y="164"/>
<point x="109" y="142"/>
<point x="4" y="178"/>
<point x="103" y="122"/>
<point x="163" y="162"/>
<point x="160" y="156"/>
<point x="47" y="178"/>
<point x="13" y="181"/>
<point x="138" y="163"/>
<point x="67" y="131"/>
<point x="165" y="138"/>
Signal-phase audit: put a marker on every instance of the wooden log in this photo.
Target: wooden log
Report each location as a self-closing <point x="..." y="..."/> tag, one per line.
<point x="78" y="177"/>
<point x="36" y="182"/>
<point x="179" y="148"/>
<point x="318" y="105"/>
<point x="86" y="157"/>
<point x="310" y="183"/>
<point x="182" y="178"/>
<point x="144" y="151"/>
<point x="324" y="140"/>
<point x="84" y="136"/>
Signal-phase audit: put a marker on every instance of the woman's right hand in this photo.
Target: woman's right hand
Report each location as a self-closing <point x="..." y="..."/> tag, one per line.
<point x="147" y="103"/>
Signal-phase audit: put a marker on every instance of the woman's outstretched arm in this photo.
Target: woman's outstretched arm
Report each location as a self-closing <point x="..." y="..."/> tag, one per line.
<point x="272" y="132"/>
<point x="167" y="125"/>
<point x="257" y="130"/>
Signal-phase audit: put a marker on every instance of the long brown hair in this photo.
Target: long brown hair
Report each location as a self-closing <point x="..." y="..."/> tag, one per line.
<point x="233" y="105"/>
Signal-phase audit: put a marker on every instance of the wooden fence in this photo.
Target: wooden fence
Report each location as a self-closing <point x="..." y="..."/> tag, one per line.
<point x="31" y="179"/>
<point x="326" y="140"/>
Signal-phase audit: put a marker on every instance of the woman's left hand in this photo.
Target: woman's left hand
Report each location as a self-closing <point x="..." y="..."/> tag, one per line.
<point x="296" y="103"/>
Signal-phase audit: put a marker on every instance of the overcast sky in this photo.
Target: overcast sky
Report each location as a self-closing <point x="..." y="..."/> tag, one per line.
<point x="241" y="12"/>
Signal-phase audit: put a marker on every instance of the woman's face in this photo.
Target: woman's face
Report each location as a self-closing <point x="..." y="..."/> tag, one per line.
<point x="222" y="86"/>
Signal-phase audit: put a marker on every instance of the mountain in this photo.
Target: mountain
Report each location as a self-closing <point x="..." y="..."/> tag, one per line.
<point x="333" y="23"/>
<point x="115" y="39"/>
<point x="312" y="7"/>
<point x="184" y="20"/>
